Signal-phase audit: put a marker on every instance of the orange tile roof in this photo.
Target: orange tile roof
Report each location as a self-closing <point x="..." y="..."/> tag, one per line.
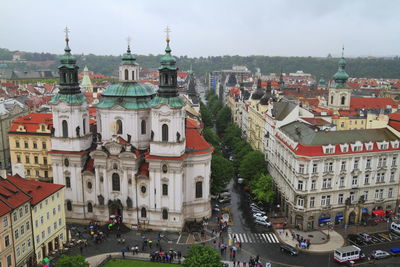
<point x="32" y="122"/>
<point x="195" y="142"/>
<point x="371" y="103"/>
<point x="37" y="190"/>
<point x="11" y="196"/>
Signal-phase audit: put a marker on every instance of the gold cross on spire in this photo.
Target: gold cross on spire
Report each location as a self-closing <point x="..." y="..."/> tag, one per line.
<point x="167" y="30"/>
<point x="66" y="30"/>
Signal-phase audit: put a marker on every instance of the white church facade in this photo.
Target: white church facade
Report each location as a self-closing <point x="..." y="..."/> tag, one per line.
<point x="146" y="162"/>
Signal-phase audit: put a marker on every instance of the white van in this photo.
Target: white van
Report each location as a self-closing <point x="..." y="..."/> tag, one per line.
<point x="395" y="227"/>
<point x="349" y="253"/>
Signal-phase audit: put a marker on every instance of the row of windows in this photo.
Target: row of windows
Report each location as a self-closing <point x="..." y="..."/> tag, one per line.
<point x="20" y="212"/>
<point x="42" y="221"/>
<point x="43" y="235"/>
<point x="46" y="202"/>
<point x="26" y="144"/>
<point x="24" y="246"/>
<point x="328" y="166"/>
<point x="35" y="159"/>
<point x="21" y="231"/>
<point x="37" y="173"/>
<point x="121" y="131"/>
<point x="326" y="200"/>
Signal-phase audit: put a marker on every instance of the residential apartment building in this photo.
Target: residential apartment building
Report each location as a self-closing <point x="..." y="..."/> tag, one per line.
<point x="7" y="256"/>
<point x="10" y="109"/>
<point x="30" y="141"/>
<point x="334" y="176"/>
<point x="17" y="204"/>
<point x="48" y="214"/>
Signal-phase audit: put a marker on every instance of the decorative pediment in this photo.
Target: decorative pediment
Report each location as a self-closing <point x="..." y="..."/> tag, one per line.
<point x="113" y="148"/>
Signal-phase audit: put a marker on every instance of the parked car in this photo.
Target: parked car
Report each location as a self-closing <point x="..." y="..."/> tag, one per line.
<point x="395" y="252"/>
<point x="380" y="254"/>
<point x="366" y="237"/>
<point x="224" y="195"/>
<point x="262" y="222"/>
<point x="290" y="250"/>
<point x="216" y="208"/>
<point x="258" y="211"/>
<point x="260" y="216"/>
<point x="355" y="238"/>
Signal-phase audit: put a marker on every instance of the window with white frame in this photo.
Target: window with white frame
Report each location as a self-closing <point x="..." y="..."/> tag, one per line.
<point x="383" y="145"/>
<point x="390" y="193"/>
<point x="326" y="183"/>
<point x="312" y="202"/>
<point x="391" y="177"/>
<point x="352" y="197"/>
<point x="356" y="161"/>
<point x="340" y="199"/>
<point x="315" y="168"/>
<point x="300" y="202"/>
<point x="5" y="222"/>
<point x="368" y="163"/>
<point x="381" y="194"/>
<point x="381" y="162"/>
<point x="341" y="182"/>
<point x="330" y="149"/>
<point x="365" y="195"/>
<point x="354" y="181"/>
<point x="394" y="161"/>
<point x="366" y="179"/>
<point x="313" y="184"/>
<point x="328" y="167"/>
<point x="369" y="146"/>
<point x="300" y="185"/>
<point x="301" y="168"/>
<point x="325" y="200"/>
<point x="343" y="166"/>
<point x="380" y="177"/>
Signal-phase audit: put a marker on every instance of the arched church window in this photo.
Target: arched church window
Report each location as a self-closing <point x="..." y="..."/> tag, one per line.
<point x="84" y="126"/>
<point x="69" y="205"/>
<point x="343" y="100"/>
<point x="165" y="214"/>
<point x="116" y="186"/>
<point x="164" y="133"/>
<point x="65" y="128"/>
<point x="126" y="75"/>
<point x="89" y="207"/>
<point x="165" y="189"/>
<point x="199" y="189"/>
<point x="143" y="127"/>
<point x="332" y="99"/>
<point x="68" y="182"/>
<point x="178" y="137"/>
<point x="64" y="77"/>
<point x="133" y="75"/>
<point x="143" y="213"/>
<point x="119" y="127"/>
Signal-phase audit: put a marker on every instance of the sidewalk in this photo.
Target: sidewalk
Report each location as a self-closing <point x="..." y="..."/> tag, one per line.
<point x="319" y="240"/>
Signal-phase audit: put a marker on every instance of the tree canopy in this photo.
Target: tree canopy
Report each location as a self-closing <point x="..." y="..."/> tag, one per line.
<point x="202" y="256"/>
<point x="262" y="188"/>
<point x="206" y="116"/>
<point x="221" y="173"/>
<point x="252" y="164"/>
<point x="211" y="137"/>
<point x="223" y="119"/>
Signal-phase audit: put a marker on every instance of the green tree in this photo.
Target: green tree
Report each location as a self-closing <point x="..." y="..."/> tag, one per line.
<point x="252" y="164"/>
<point x="223" y="119"/>
<point x="240" y="150"/>
<point x="232" y="133"/>
<point x="221" y="173"/>
<point x="72" y="261"/>
<point x="206" y="116"/>
<point x="202" y="256"/>
<point x="211" y="137"/>
<point x="262" y="186"/>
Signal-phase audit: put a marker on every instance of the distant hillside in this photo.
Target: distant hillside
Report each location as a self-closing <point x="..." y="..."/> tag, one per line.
<point x="108" y="65"/>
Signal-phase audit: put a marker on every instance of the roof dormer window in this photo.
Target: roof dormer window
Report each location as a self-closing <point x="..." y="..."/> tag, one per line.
<point x="329" y="149"/>
<point x="344" y="148"/>
<point x="395" y="144"/>
<point x="383" y="145"/>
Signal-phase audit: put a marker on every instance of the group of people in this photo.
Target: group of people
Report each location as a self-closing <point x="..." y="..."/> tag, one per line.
<point x="301" y="241"/>
<point x="95" y="232"/>
<point x="166" y="256"/>
<point x="114" y="220"/>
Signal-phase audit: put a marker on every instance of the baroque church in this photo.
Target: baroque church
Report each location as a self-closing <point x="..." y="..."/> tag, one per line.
<point x="146" y="161"/>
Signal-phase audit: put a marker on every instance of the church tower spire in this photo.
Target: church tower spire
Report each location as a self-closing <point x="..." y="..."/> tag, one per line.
<point x="129" y="68"/>
<point x="68" y="70"/>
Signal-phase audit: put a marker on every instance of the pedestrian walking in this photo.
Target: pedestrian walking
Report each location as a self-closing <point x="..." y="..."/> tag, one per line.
<point x="81" y="249"/>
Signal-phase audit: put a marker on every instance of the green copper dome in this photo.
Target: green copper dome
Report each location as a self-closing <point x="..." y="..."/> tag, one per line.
<point x="128" y="58"/>
<point x="129" y="89"/>
<point x="322" y="81"/>
<point x="167" y="61"/>
<point x="67" y="60"/>
<point x="341" y="75"/>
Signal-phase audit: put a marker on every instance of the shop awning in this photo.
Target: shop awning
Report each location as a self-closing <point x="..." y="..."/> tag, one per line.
<point x="339" y="218"/>
<point x="364" y="210"/>
<point x="389" y="211"/>
<point x="378" y="213"/>
<point x="324" y="220"/>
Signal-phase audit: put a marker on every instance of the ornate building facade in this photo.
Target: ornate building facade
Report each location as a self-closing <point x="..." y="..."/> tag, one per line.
<point x="148" y="162"/>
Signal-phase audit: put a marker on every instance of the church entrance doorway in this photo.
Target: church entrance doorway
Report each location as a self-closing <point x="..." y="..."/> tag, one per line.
<point x="352" y="217"/>
<point x="115" y="208"/>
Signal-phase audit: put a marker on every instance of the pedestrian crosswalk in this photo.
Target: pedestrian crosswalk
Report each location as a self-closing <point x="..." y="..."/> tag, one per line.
<point x="254" y="237"/>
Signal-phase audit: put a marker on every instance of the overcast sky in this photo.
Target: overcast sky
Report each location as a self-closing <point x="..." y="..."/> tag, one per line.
<point x="204" y="27"/>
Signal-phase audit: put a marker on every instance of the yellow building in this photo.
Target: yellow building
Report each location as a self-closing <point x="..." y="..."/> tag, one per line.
<point x="30" y="141"/>
<point x="6" y="242"/>
<point x="232" y="103"/>
<point x="372" y="121"/>
<point x="20" y="238"/>
<point x="48" y="215"/>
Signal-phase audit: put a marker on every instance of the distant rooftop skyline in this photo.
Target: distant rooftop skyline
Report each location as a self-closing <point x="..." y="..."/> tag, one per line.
<point x="204" y="28"/>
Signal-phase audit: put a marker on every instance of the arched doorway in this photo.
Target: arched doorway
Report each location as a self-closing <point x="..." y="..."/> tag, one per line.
<point x="352" y="217"/>
<point x="115" y="208"/>
<point x="298" y="221"/>
<point x="310" y="223"/>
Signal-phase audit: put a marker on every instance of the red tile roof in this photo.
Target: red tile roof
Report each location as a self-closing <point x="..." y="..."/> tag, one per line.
<point x="11" y="195"/>
<point x="37" y="190"/>
<point x="235" y="92"/>
<point x="195" y="143"/>
<point x="144" y="168"/>
<point x="394" y="121"/>
<point x="316" y="121"/>
<point x="32" y="122"/>
<point x="371" y="103"/>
